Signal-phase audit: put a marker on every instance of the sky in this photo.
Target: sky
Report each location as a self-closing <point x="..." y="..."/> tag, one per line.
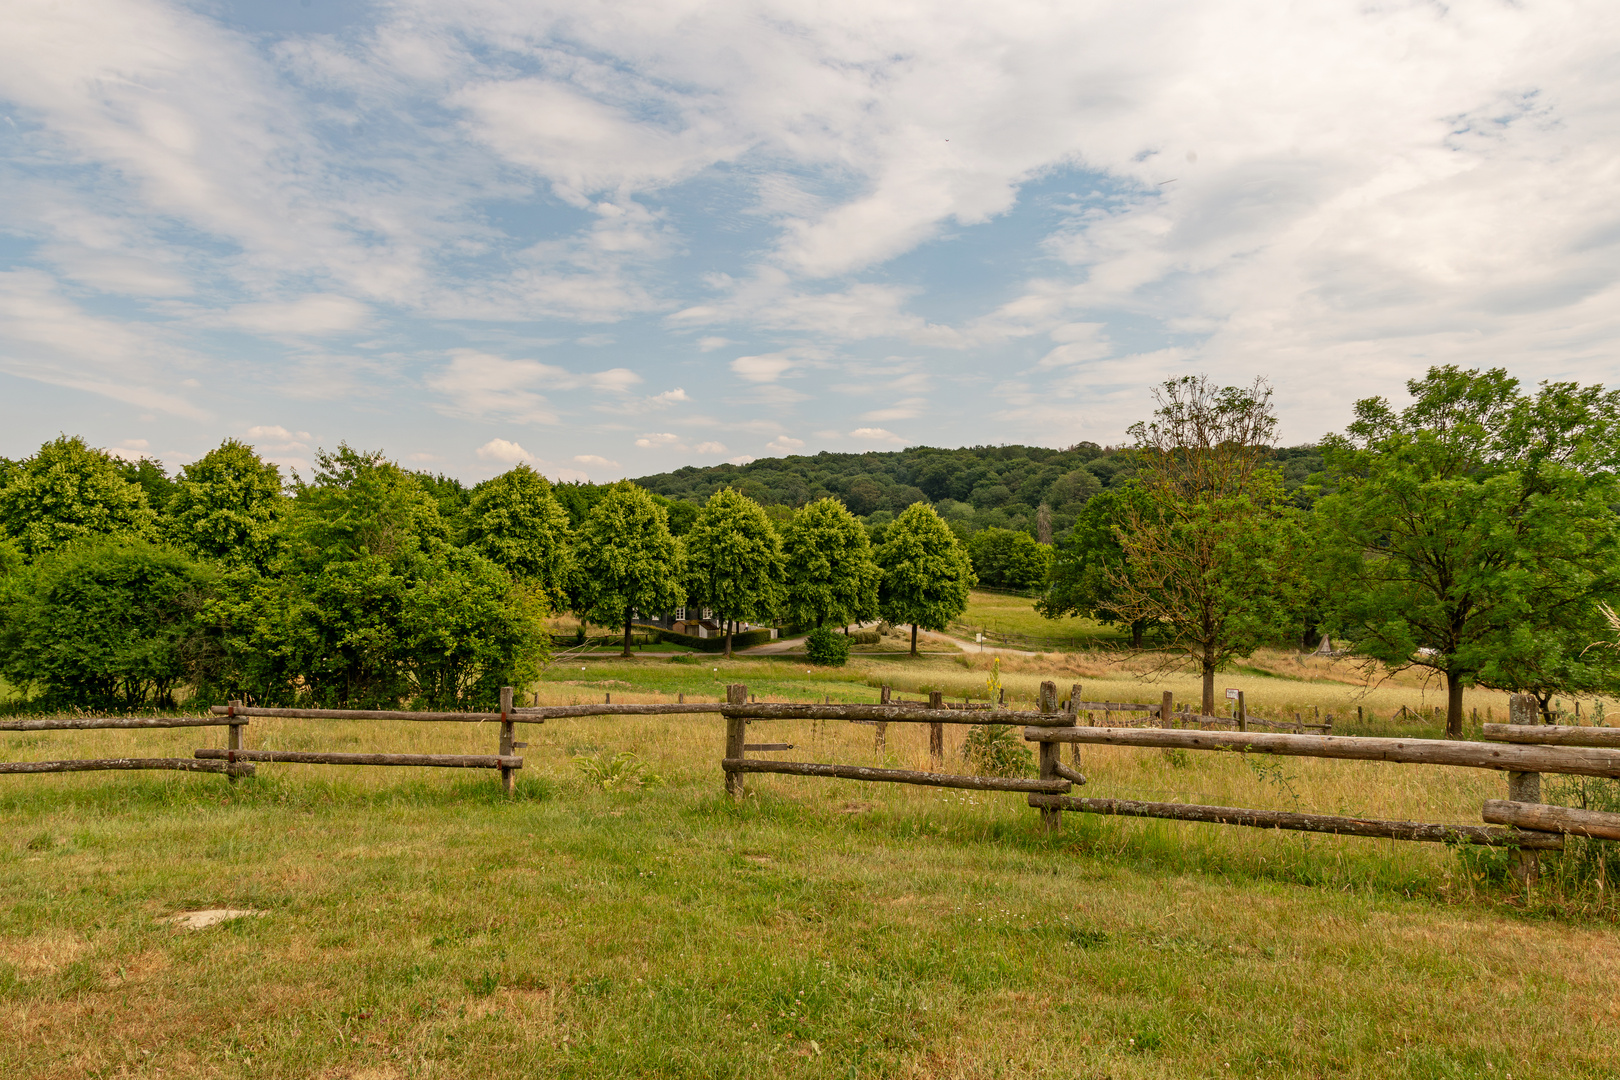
<point x="615" y="239"/>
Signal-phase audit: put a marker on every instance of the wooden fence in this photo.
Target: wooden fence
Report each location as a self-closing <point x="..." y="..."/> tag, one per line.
<point x="234" y="760"/>
<point x="1523" y="749"/>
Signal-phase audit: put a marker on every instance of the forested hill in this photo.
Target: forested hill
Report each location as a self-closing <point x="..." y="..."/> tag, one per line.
<point x="974" y="486"/>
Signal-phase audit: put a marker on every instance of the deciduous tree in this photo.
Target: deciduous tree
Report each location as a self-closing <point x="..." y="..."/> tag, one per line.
<point x="734" y="560"/>
<point x="627" y="560"/>
<point x="67" y="491"/>
<point x="515" y="521"/>
<point x="830" y="572"/>
<point x="225" y="505"/>
<point x="1005" y="559"/>
<point x="926" y="572"/>
<point x="1473" y="532"/>
<point x="1209" y="551"/>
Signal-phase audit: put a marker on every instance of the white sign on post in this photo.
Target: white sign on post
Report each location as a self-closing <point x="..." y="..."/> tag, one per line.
<point x="1231" y="693"/>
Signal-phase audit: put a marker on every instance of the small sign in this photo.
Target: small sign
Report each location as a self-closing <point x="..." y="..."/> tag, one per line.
<point x="1231" y="693"/>
<point x="979" y="638"/>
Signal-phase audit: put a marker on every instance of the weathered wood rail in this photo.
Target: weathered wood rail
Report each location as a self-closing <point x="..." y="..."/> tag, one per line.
<point x="316" y="757"/>
<point x="1522" y="822"/>
<point x="127" y="764"/>
<point x="91" y="723"/>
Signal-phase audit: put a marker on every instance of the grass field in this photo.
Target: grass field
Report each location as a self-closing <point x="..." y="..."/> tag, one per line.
<point x="418" y="924"/>
<point x="1015" y="618"/>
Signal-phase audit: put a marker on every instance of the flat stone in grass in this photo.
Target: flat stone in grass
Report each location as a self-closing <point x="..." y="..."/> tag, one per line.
<point x="202" y="920"/>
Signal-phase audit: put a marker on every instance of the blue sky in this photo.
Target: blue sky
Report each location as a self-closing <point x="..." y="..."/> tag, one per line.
<point x="616" y="239"/>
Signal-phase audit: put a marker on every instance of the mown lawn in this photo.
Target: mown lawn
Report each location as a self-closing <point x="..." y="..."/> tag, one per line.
<point x="418" y="924"/>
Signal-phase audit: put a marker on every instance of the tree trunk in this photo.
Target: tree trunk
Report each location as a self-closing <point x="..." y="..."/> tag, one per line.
<point x="626" y="651"/>
<point x="913" y="639"/>
<point x="1138" y="628"/>
<point x="730" y="625"/>
<point x="1209" y="685"/>
<point x="1454" y="706"/>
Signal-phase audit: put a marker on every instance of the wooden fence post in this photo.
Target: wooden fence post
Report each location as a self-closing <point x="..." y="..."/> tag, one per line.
<point x="1167" y="709"/>
<point x="508" y="734"/>
<point x="736" y="738"/>
<point x="1075" y="697"/>
<point x="936" y="731"/>
<point x="1524" y="787"/>
<point x="882" y="741"/>
<point x="1046" y="701"/>
<point x="233" y="738"/>
<point x="1242" y="713"/>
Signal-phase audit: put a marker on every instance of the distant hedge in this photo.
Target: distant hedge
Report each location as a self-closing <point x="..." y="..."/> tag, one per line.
<point x="745" y="640"/>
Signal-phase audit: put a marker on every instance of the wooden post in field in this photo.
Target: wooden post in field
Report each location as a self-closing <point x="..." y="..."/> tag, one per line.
<point x="882" y="740"/>
<point x="1524" y="787"/>
<point x="1075" y="697"/>
<point x="1242" y="714"/>
<point x="936" y="731"/>
<point x="1167" y="709"/>
<point x="736" y="738"/>
<point x="233" y="739"/>
<point x="508" y="733"/>
<point x="1046" y="701"/>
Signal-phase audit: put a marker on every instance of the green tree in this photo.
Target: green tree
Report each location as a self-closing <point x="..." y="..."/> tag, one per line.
<point x="367" y="604"/>
<point x="67" y="491"/>
<point x="1087" y="563"/>
<point x="1473" y="533"/>
<point x="626" y="560"/>
<point x="734" y="560"/>
<point x="830" y="571"/>
<point x="1209" y="550"/>
<point x="148" y="475"/>
<point x="926" y="572"/>
<point x="225" y="505"/>
<point x="1004" y="559"/>
<point x="105" y="622"/>
<point x="515" y="521"/>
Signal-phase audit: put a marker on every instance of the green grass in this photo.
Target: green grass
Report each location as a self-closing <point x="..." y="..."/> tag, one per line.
<point x="1013" y="619"/>
<point x="418" y="924"/>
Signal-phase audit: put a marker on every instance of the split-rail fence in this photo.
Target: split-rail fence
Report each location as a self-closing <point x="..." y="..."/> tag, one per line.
<point x="1524" y="749"/>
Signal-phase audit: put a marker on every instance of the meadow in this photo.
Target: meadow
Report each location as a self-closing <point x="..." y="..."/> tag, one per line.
<point x="419" y="924"/>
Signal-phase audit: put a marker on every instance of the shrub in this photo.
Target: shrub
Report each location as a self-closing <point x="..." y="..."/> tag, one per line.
<point x="826" y="647"/>
<point x="997" y="750"/>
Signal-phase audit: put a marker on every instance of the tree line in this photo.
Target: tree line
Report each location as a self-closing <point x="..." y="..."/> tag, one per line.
<point x="1470" y="533"/>
<point x="367" y="584"/>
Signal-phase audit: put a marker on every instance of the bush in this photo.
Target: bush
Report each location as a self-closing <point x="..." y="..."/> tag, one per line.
<point x="104" y="623"/>
<point x="827" y="648"/>
<point x="997" y="750"/>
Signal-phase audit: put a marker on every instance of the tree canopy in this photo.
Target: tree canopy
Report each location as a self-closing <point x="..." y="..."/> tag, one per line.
<point x="67" y="491"/>
<point x="830" y="572"/>
<point x="734" y="560"/>
<point x="628" y="561"/>
<point x="515" y="522"/>
<point x="1473" y="532"/>
<point x="926" y="572"/>
<point x="225" y="504"/>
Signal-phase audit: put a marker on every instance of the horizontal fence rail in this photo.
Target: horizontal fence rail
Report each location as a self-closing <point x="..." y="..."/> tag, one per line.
<point x="1321" y="823"/>
<point x="1552" y="735"/>
<point x="1560" y="819"/>
<point x="533" y="713"/>
<point x="358" y="714"/>
<point x="1516" y="758"/>
<point x="89" y="723"/>
<point x="128" y="764"/>
<point x="891" y="714"/>
<point x="304" y="757"/>
<point x="892" y="776"/>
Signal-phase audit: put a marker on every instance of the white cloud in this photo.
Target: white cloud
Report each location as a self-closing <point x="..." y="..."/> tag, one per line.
<point x="310" y="315"/>
<point x="900" y="410"/>
<point x="596" y="460"/>
<point x="709" y="448"/>
<point x="876" y="435"/>
<point x="669" y="397"/>
<point x="762" y="369"/>
<point x="743" y="460"/>
<point x="711" y="343"/>
<point x="504" y="451"/>
<point x="785" y="444"/>
<point x="659" y="438"/>
<point x="483" y="385"/>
